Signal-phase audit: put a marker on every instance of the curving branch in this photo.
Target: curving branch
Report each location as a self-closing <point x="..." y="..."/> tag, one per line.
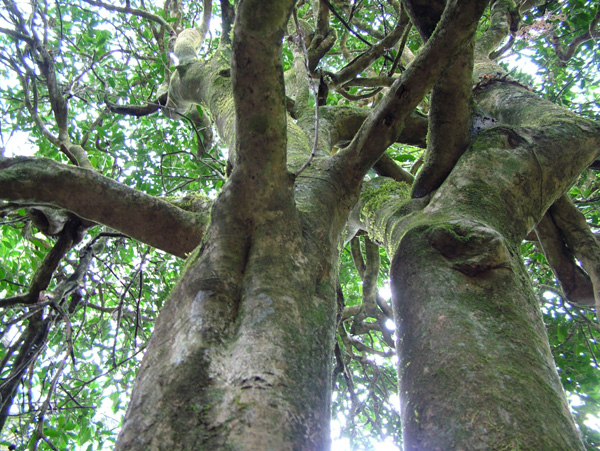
<point x="30" y="90"/>
<point x="133" y="11"/>
<point x="364" y="60"/>
<point x="135" y="110"/>
<point x="450" y="113"/>
<point x="17" y="35"/>
<point x="322" y="40"/>
<point x="575" y="283"/>
<point x="100" y="199"/>
<point x="565" y="54"/>
<point x="378" y="132"/>
<point x="387" y="167"/>
<point x="346" y="121"/>
<point x="450" y="119"/>
<point x="580" y="240"/>
<point x="69" y="236"/>
<point x="371" y="82"/>
<point x="504" y="21"/>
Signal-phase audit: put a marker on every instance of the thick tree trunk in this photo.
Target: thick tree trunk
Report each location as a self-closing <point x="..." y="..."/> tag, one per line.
<point x="475" y="368"/>
<point x="476" y="372"/>
<point x="241" y="354"/>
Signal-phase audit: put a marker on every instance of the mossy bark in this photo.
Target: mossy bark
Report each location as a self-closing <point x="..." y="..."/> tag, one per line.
<point x="476" y="372"/>
<point x="240" y="358"/>
<point x="475" y="368"/>
<point x="241" y="354"/>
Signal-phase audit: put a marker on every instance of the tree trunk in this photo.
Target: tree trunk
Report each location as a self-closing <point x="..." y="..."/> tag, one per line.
<point x="475" y="368"/>
<point x="241" y="355"/>
<point x="476" y="372"/>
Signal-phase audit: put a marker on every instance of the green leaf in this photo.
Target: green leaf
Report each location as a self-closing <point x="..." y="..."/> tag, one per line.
<point x="52" y="433"/>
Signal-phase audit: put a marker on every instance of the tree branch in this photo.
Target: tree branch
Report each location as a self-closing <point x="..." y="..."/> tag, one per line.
<point x="450" y="120"/>
<point x="103" y="200"/>
<point x="134" y="11"/>
<point x="346" y="24"/>
<point x="364" y="60"/>
<point x="34" y="341"/>
<point x="44" y="273"/>
<point x="257" y="78"/>
<point x="323" y="39"/>
<point x="387" y="167"/>
<point x="378" y="132"/>
<point x="346" y="121"/>
<point x="565" y="55"/>
<point x="504" y="21"/>
<point x="575" y="283"/>
<point x="44" y="60"/>
<point x="580" y="240"/>
<point x="450" y="115"/>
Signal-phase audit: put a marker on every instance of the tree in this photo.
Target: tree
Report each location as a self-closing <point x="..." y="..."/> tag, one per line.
<point x="315" y="106"/>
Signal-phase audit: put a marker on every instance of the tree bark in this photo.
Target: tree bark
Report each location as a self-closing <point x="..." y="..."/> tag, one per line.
<point x="476" y="372"/>
<point x="240" y="357"/>
<point x="475" y="368"/>
<point x="241" y="354"/>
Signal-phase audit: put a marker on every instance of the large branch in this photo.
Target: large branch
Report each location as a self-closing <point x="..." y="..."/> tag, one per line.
<point x="575" y="283"/>
<point x="323" y="38"/>
<point x="504" y="21"/>
<point x="103" y="200"/>
<point x="455" y="30"/>
<point x="565" y="143"/>
<point x="450" y="119"/>
<point x="450" y="113"/>
<point x="258" y="89"/>
<point x="580" y="240"/>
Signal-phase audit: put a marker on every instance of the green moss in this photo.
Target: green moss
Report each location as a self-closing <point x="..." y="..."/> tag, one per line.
<point x="193" y="257"/>
<point x="297" y="140"/>
<point x="375" y="197"/>
<point x="381" y="201"/>
<point x="194" y="202"/>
